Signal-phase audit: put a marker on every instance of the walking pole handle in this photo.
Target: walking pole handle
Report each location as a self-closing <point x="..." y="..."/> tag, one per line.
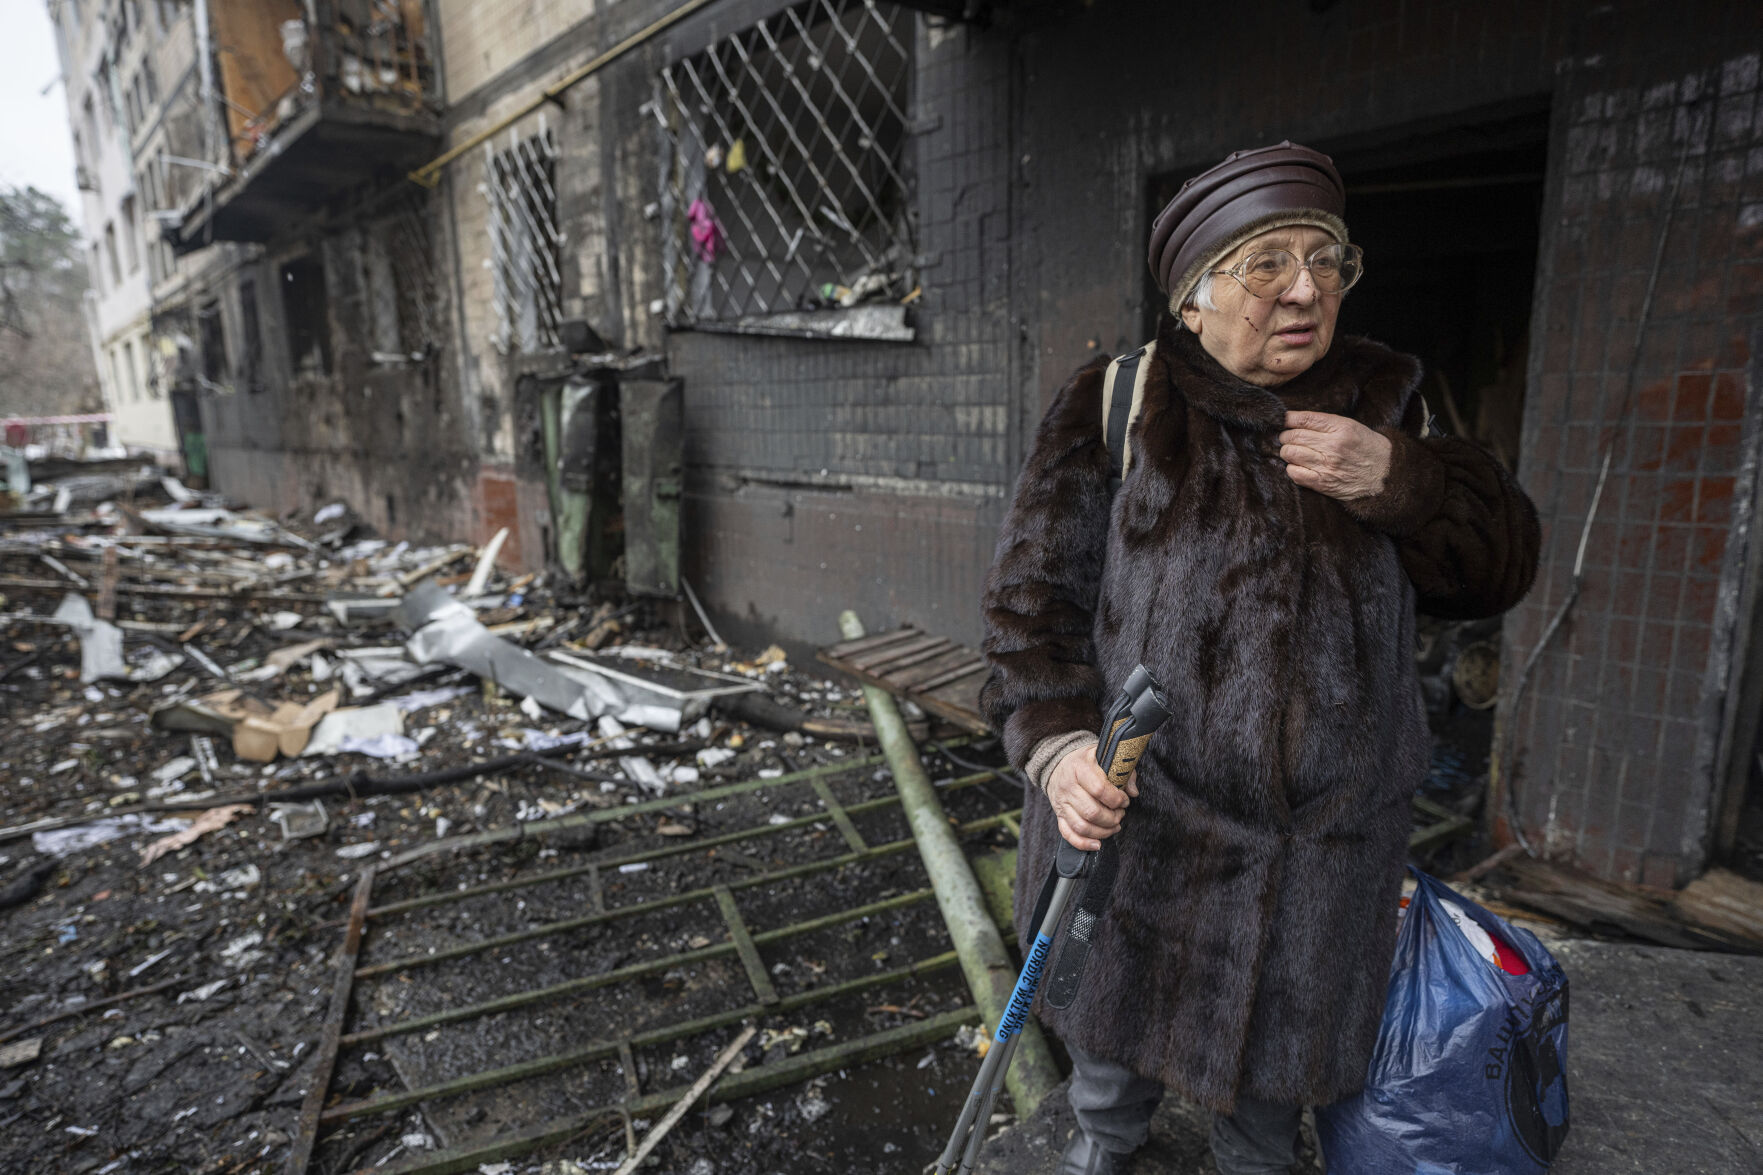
<point x="1135" y="716"/>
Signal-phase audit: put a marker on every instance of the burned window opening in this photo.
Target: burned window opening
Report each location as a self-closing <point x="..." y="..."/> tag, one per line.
<point x="307" y="313"/>
<point x="526" y="245"/>
<point x="251" y="348"/>
<point x="211" y="339"/>
<point x="784" y="183"/>
<point x="402" y="290"/>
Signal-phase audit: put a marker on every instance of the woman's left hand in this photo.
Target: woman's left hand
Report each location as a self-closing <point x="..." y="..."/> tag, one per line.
<point x="1334" y="455"/>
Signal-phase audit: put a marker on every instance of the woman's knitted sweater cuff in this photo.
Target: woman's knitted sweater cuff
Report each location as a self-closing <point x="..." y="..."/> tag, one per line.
<point x="1048" y="752"/>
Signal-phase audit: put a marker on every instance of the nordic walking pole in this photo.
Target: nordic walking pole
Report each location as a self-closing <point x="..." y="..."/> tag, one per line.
<point x="1134" y="717"/>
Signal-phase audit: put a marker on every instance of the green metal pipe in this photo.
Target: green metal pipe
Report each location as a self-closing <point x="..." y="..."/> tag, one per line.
<point x="984" y="962"/>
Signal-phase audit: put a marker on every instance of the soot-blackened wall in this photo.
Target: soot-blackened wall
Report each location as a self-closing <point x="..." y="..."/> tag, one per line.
<point x="831" y="474"/>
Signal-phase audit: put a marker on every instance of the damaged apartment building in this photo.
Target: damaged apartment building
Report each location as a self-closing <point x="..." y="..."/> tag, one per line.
<point x="768" y="297"/>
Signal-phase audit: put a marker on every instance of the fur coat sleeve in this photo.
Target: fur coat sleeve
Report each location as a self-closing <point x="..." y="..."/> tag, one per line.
<point x="1040" y="594"/>
<point x="1466" y="533"/>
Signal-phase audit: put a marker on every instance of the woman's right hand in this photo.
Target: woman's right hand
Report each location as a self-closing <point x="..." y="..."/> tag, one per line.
<point x="1087" y="805"/>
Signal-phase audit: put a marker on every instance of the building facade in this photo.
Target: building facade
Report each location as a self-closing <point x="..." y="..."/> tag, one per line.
<point x="868" y="240"/>
<point x="108" y="64"/>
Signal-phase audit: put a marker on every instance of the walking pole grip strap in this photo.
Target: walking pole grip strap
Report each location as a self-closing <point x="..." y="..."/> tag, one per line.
<point x="1068" y="970"/>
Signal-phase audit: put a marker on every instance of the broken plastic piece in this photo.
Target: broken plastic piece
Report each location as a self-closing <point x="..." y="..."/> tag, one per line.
<point x="448" y="632"/>
<point x="359" y="724"/>
<point x="100" y="640"/>
<point x="299" y="821"/>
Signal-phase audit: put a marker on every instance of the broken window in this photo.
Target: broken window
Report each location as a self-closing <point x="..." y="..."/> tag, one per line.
<point x="130" y="373"/>
<point x="130" y="247"/>
<point x="400" y="282"/>
<point x="784" y="184"/>
<point x="251" y="344"/>
<point x="110" y="252"/>
<point x="212" y="340"/>
<point x="526" y="246"/>
<point x="307" y="313"/>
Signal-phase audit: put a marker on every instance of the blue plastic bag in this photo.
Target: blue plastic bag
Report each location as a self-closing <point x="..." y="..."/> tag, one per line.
<point x="1469" y="1074"/>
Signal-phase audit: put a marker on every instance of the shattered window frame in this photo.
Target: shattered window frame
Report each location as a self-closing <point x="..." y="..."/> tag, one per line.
<point x="526" y="242"/>
<point x="787" y="194"/>
<point x="305" y="299"/>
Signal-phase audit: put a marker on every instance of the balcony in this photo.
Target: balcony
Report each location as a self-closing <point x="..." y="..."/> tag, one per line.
<point x="311" y="109"/>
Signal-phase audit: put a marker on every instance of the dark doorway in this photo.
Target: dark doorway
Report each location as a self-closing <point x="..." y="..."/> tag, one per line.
<point x="1449" y="221"/>
<point x="1450" y="260"/>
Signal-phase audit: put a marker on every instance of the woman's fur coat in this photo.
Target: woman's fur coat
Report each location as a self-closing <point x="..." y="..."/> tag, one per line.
<point x="1247" y="945"/>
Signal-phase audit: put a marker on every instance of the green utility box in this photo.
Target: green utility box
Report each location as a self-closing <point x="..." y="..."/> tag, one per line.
<point x="652" y="417"/>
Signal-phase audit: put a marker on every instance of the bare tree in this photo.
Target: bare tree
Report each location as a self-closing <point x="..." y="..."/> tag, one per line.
<point x="45" y="357"/>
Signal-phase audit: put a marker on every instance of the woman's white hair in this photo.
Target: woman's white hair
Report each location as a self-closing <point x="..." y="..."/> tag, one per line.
<point x="1200" y="297"/>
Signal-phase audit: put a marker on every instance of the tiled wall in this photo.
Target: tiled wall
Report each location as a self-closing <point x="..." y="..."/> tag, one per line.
<point x="1658" y="161"/>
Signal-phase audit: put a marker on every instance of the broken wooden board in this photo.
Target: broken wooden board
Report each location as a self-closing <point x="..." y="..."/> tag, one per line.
<point x="1612" y="907"/>
<point x="1723" y="901"/>
<point x="931" y="671"/>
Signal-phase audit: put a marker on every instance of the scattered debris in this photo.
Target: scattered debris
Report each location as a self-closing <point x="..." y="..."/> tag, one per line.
<point x="338" y="730"/>
<point x="1723" y="901"/>
<point x="259" y="731"/>
<point x="300" y="821"/>
<point x="20" y="1052"/>
<point x="198" y="994"/>
<point x="1693" y="921"/>
<point x="60" y="842"/>
<point x="26" y="885"/>
<point x="681" y="1107"/>
<point x="205" y="823"/>
<point x="258" y="635"/>
<point x="448" y="631"/>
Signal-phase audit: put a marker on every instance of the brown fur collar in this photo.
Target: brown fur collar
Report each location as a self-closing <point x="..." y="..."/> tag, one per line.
<point x="1354" y="367"/>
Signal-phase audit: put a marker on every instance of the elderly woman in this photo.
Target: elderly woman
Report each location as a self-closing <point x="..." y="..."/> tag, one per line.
<point x="1282" y="516"/>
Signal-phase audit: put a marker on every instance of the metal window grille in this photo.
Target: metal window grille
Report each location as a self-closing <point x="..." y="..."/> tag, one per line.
<point x="402" y="289"/>
<point x="783" y="182"/>
<point x="526" y="244"/>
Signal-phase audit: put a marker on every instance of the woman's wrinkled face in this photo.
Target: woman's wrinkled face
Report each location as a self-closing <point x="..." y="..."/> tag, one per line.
<point x="1266" y="341"/>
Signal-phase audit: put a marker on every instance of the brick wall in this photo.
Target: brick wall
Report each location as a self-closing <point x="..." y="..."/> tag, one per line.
<point x="483" y="38"/>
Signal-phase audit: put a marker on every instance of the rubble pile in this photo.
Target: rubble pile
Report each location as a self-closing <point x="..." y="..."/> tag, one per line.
<point x="213" y="719"/>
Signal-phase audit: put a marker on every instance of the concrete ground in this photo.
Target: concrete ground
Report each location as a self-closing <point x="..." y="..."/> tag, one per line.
<point x="1665" y="1075"/>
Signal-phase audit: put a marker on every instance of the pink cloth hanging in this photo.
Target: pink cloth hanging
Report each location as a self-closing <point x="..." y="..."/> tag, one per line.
<point x="706" y="233"/>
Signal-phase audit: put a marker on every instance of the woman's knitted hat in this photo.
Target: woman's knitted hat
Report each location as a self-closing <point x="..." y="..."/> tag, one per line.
<point x="1246" y="195"/>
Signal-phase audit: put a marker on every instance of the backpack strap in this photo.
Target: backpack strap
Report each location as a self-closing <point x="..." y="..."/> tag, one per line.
<point x="1429" y="424"/>
<point x="1123" y="396"/>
